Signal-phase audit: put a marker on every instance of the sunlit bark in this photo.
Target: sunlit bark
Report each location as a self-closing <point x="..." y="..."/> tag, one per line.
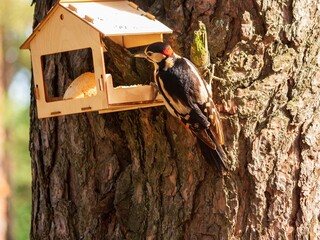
<point x="140" y="175"/>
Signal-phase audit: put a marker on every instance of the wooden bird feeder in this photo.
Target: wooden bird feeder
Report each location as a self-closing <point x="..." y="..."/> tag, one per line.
<point x="81" y="25"/>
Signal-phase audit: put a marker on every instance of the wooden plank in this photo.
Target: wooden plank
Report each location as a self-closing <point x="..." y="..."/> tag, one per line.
<point x="130" y="41"/>
<point x="60" y="34"/>
<point x="130" y="94"/>
<point x="118" y="18"/>
<point x="110" y="18"/>
<point x="117" y="40"/>
<point x="127" y="107"/>
<point x="70" y="106"/>
<point x="57" y="107"/>
<point x="38" y="75"/>
<point x="26" y="44"/>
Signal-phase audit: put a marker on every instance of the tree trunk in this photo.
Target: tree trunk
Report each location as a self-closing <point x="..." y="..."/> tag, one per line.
<point x="139" y="175"/>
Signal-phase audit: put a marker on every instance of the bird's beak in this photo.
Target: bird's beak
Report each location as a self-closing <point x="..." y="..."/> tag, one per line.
<point x="140" y="55"/>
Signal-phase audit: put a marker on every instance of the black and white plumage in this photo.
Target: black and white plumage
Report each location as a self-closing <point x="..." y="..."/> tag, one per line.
<point x="188" y="97"/>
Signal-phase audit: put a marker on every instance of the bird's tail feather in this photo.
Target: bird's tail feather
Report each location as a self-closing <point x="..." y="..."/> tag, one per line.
<point x="216" y="157"/>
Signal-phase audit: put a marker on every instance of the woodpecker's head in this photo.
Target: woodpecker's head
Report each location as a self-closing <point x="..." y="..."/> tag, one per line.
<point x="156" y="52"/>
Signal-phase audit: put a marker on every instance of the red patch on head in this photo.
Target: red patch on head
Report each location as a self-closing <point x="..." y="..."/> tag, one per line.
<point x="168" y="51"/>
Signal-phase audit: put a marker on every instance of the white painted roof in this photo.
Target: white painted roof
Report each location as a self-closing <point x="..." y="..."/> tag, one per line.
<point x="111" y="18"/>
<point x="117" y="18"/>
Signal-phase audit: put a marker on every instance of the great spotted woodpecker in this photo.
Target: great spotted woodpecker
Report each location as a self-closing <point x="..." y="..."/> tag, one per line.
<point x="188" y="97"/>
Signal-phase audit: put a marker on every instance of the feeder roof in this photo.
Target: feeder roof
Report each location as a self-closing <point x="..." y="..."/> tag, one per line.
<point x="110" y="18"/>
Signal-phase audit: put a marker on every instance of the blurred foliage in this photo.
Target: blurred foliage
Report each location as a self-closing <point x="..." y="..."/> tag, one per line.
<point x="15" y="26"/>
<point x="17" y="125"/>
<point x="16" y="23"/>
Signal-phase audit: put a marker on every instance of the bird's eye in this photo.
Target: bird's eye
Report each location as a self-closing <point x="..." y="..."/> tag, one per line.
<point x="149" y="54"/>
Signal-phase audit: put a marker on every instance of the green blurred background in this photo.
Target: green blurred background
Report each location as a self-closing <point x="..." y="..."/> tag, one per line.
<point x="16" y="18"/>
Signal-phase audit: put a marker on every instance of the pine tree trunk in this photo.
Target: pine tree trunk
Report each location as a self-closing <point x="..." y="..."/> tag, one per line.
<point x="139" y="175"/>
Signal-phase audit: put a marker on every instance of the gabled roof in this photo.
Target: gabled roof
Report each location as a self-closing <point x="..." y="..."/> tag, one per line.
<point x="110" y="18"/>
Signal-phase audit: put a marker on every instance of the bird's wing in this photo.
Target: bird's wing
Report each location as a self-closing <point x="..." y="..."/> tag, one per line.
<point x="182" y="86"/>
<point x="205" y="138"/>
<point x="215" y="121"/>
<point x="204" y="94"/>
<point x="215" y="127"/>
<point x="189" y="96"/>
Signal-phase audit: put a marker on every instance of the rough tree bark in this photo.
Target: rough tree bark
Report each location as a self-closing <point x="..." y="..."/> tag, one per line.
<point x="139" y="174"/>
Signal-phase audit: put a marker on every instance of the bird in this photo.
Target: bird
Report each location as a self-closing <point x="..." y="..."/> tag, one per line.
<point x="188" y="97"/>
